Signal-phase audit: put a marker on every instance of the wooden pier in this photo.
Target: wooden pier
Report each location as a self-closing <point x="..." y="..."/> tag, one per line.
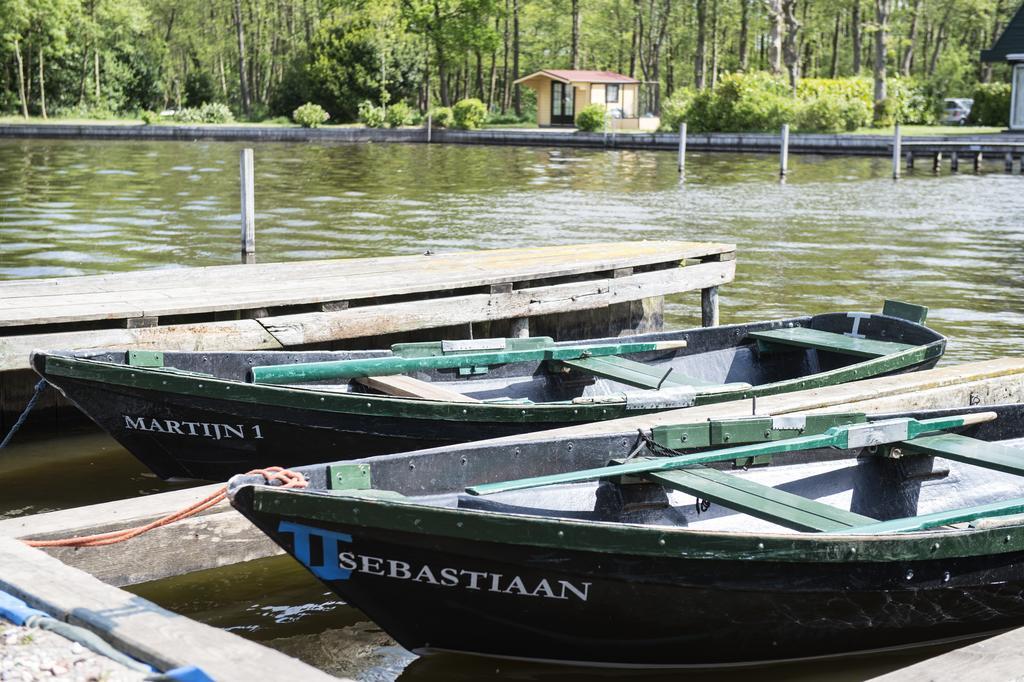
<point x="569" y="292"/>
<point x="137" y="627"/>
<point x="221" y="537"/>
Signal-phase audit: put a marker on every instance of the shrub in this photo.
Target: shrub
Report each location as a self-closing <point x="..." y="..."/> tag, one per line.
<point x="886" y="112"/>
<point x="370" y="115"/>
<point x="310" y="115"/>
<point x="399" y="114"/>
<point x="591" y="118"/>
<point x="507" y="118"/>
<point x="441" y="117"/>
<point x="676" y="109"/>
<point x="149" y="117"/>
<point x="210" y="112"/>
<point x="832" y="113"/>
<point x="912" y="103"/>
<point x="991" y="104"/>
<point x="469" y="114"/>
<point x="743" y="102"/>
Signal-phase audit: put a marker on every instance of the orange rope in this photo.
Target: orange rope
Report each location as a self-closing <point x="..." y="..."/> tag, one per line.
<point x="288" y="479"/>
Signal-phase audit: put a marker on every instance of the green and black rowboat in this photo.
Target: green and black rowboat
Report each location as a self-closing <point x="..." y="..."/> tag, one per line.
<point x="625" y="550"/>
<point x="210" y="415"/>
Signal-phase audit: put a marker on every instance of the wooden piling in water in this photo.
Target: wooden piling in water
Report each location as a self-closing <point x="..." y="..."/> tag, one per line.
<point x="937" y="162"/>
<point x="784" y="151"/>
<point x="709" y="307"/>
<point x="977" y="162"/>
<point x="910" y="160"/>
<point x="682" y="147"/>
<point x="429" y="126"/>
<point x="248" y="211"/>
<point x="1008" y="163"/>
<point x="897" y="141"/>
<point x="954" y="162"/>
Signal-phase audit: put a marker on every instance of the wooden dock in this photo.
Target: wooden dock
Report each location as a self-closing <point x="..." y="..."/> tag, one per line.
<point x="221" y="536"/>
<point x="137" y="627"/>
<point x="575" y="291"/>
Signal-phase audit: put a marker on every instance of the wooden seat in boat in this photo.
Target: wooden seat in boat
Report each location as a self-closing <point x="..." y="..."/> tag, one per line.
<point x="805" y="337"/>
<point x="402" y="386"/>
<point x="633" y="373"/>
<point x="757" y="500"/>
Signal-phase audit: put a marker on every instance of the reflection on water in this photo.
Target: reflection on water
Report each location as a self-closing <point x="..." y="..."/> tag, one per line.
<point x="839" y="234"/>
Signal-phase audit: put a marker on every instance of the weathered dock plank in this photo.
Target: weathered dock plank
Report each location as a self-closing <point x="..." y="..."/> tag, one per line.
<point x="221" y="537"/>
<point x="322" y="301"/>
<point x="996" y="658"/>
<point x="136" y="626"/>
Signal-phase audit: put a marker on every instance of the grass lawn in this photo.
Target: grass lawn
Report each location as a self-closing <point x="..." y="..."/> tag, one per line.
<point x="931" y="130"/>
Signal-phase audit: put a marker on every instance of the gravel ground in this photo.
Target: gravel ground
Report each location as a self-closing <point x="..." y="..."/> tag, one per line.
<point x="29" y="654"/>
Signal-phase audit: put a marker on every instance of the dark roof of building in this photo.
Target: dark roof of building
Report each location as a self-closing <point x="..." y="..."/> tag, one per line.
<point x="1011" y="41"/>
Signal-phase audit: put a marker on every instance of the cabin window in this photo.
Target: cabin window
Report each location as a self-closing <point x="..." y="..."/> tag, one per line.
<point x="611" y="94"/>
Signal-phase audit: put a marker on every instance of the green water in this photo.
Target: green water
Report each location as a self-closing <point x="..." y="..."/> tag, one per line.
<point x="839" y="234"/>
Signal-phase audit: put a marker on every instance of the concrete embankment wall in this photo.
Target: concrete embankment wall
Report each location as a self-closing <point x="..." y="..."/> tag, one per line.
<point x="874" y="145"/>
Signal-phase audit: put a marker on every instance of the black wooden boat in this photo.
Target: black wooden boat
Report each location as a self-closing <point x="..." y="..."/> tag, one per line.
<point x="902" y="533"/>
<point x="211" y="415"/>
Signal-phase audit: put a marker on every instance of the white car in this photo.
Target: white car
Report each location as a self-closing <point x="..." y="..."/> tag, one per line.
<point x="956" y="111"/>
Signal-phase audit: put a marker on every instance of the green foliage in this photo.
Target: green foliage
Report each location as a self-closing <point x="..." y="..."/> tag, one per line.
<point x="469" y="114"/>
<point x="441" y="117"/>
<point x="833" y="105"/>
<point x="310" y="115"/>
<point x="991" y="104"/>
<point x="886" y="112"/>
<point x="371" y="115"/>
<point x="743" y="102"/>
<point x="198" y="88"/>
<point x="210" y="112"/>
<point x="590" y="118"/>
<point x="398" y="114"/>
<point x="912" y="102"/>
<point x="149" y="117"/>
<point x="676" y="108"/>
<point x="507" y="118"/>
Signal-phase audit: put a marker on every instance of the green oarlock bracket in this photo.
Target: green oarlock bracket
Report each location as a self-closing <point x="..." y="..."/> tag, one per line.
<point x="470" y="371"/>
<point x="349" y="476"/>
<point x="682" y="436"/>
<point x="145" y="358"/>
<point x="905" y="311"/>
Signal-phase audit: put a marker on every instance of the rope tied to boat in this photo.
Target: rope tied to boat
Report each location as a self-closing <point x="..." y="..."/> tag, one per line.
<point x="29" y="406"/>
<point x="284" y="477"/>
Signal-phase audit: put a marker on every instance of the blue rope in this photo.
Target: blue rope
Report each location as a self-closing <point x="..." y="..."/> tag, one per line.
<point x="24" y="413"/>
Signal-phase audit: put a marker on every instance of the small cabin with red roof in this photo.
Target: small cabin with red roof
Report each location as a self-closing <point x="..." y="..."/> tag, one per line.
<point x="561" y="93"/>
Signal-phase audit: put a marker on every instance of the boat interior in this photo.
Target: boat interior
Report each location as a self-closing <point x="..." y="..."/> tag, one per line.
<point x="703" y="360"/>
<point x="969" y="475"/>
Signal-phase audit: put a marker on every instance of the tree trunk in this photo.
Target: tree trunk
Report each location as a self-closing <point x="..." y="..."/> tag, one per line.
<point x="243" y="82"/>
<point x="515" y="56"/>
<point x="882" y="10"/>
<point x="790" y="49"/>
<point x="96" y="70"/>
<point x="42" y="84"/>
<point x="744" y="33"/>
<point x="700" y="56"/>
<point x="506" y="88"/>
<point x="480" y="93"/>
<point x="714" y="42"/>
<point x="775" y="31"/>
<point x="21" y="79"/>
<point x="493" y="79"/>
<point x="855" y="29"/>
<point x="634" y="48"/>
<point x="834" y="71"/>
<point x="986" y="67"/>
<point x="907" y="63"/>
<point x="575" y="34"/>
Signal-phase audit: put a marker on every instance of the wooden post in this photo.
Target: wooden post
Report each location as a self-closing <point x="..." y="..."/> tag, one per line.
<point x="709" y="307"/>
<point x="429" y="126"/>
<point x="954" y="162"/>
<point x="910" y="160"/>
<point x="519" y="328"/>
<point x="682" y="146"/>
<point x="977" y="162"/>
<point x="937" y="162"/>
<point x="248" y="207"/>
<point x="1008" y="163"/>
<point x="784" y="152"/>
<point x="897" y="147"/>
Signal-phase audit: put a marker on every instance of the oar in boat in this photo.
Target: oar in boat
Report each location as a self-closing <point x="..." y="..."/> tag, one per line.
<point x="841" y="437"/>
<point x="375" y="367"/>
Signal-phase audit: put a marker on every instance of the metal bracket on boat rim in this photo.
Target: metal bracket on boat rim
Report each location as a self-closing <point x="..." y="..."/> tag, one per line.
<point x="349" y="477"/>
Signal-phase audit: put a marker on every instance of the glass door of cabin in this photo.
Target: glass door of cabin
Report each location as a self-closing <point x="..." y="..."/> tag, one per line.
<point x="563" y="103"/>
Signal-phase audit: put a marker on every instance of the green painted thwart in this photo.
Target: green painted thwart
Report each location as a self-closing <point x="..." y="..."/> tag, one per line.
<point x="804" y="337"/>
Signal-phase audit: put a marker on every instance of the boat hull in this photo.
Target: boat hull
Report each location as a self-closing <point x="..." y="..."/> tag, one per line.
<point x="617" y="608"/>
